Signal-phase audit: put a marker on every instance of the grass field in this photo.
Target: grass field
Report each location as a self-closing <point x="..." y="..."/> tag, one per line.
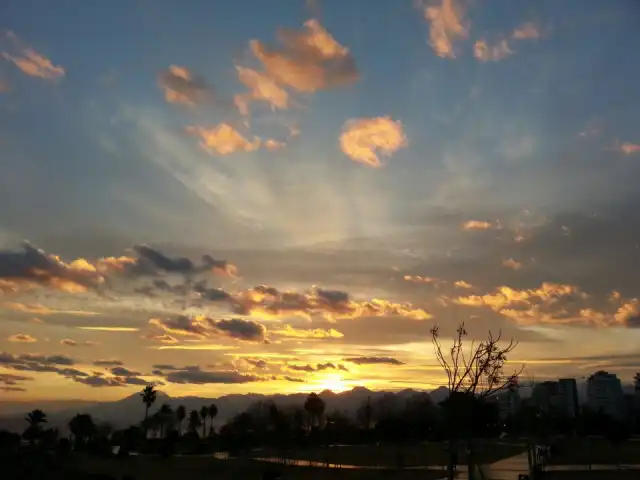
<point x="599" y="451"/>
<point x="429" y="454"/>
<point x="196" y="468"/>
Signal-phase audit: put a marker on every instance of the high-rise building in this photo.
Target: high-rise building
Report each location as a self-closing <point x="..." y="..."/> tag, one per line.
<point x="545" y="396"/>
<point x="509" y="402"/>
<point x="605" y="394"/>
<point x="557" y="398"/>
<point x="568" y="397"/>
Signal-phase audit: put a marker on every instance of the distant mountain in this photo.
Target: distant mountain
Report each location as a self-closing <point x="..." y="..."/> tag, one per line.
<point x="130" y="410"/>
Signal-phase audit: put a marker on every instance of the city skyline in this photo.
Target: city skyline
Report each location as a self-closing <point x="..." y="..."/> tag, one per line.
<point x="289" y="199"/>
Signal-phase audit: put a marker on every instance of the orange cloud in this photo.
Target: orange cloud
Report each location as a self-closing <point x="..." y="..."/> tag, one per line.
<point x="9" y="286"/>
<point x="163" y="338"/>
<point x="363" y="138"/>
<point x="526" y="31"/>
<point x="491" y="53"/>
<point x="111" y="329"/>
<point x="485" y="52"/>
<point x="274" y="145"/>
<point x="629" y="148"/>
<point x="548" y="293"/>
<point x="32" y="268"/>
<point x="511" y="263"/>
<point x="31" y="62"/>
<point x="73" y="343"/>
<point x="22" y="338"/>
<point x="269" y="302"/>
<point x="462" y="284"/>
<point x="310" y="60"/>
<point x="201" y="327"/>
<point x="38" y="309"/>
<point x="182" y="87"/>
<point x="223" y="139"/>
<point x="289" y="331"/>
<point x="480" y="225"/>
<point x="261" y="88"/>
<point x="419" y="279"/>
<point x="446" y="24"/>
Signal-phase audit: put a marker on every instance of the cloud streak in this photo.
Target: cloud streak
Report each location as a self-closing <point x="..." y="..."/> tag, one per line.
<point x="31" y="62"/>
<point x="22" y="338"/>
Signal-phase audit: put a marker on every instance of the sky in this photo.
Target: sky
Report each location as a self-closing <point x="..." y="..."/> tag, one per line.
<point x="231" y="197"/>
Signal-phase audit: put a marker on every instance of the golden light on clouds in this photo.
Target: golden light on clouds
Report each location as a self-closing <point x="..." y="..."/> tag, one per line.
<point x="479" y="225"/>
<point x="270" y="303"/>
<point x="310" y="60"/>
<point x="446" y="26"/>
<point x="289" y="331"/>
<point x="22" y="338"/>
<point x="223" y="139"/>
<point x="261" y="88"/>
<point x="274" y="145"/>
<point x="506" y="296"/>
<point x="491" y="53"/>
<point x="485" y="51"/>
<point x="197" y="346"/>
<point x="526" y="31"/>
<point x="31" y="62"/>
<point x="38" y="309"/>
<point x="419" y="279"/>
<point x="364" y="139"/>
<point x="111" y="329"/>
<point x="629" y="148"/>
<point x="512" y="264"/>
<point x="181" y="87"/>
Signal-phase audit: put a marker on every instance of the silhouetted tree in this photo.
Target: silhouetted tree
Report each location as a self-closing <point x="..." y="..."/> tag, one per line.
<point x="181" y="414"/>
<point x="34" y="419"/>
<point x="314" y="405"/>
<point x="204" y="413"/>
<point x="194" y="421"/>
<point x="82" y="428"/>
<point x="148" y="395"/>
<point x="474" y="372"/>
<point x="213" y="412"/>
<point x="166" y="417"/>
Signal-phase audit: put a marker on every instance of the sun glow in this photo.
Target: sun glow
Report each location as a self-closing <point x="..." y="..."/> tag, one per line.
<point x="333" y="383"/>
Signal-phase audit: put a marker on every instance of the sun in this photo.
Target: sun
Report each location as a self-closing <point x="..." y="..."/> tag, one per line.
<point x="333" y="383"/>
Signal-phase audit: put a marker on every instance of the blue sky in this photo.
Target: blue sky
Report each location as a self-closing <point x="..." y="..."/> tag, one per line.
<point x="370" y="137"/>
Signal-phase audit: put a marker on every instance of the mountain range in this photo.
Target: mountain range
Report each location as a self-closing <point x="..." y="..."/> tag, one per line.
<point x="130" y="410"/>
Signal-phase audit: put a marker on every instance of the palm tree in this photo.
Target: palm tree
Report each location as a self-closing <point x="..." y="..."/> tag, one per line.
<point x="181" y="414"/>
<point x="148" y="395"/>
<point x="194" y="421"/>
<point x="204" y="413"/>
<point x="213" y="412"/>
<point x="34" y="419"/>
<point x="314" y="406"/>
<point x="166" y="414"/>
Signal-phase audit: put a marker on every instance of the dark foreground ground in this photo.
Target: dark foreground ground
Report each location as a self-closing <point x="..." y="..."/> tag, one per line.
<point x="195" y="468"/>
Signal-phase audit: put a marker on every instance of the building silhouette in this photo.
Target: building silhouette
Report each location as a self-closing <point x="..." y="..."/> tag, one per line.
<point x="605" y="394"/>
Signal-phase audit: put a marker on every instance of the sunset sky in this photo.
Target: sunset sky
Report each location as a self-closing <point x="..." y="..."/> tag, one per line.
<point x="243" y="196"/>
